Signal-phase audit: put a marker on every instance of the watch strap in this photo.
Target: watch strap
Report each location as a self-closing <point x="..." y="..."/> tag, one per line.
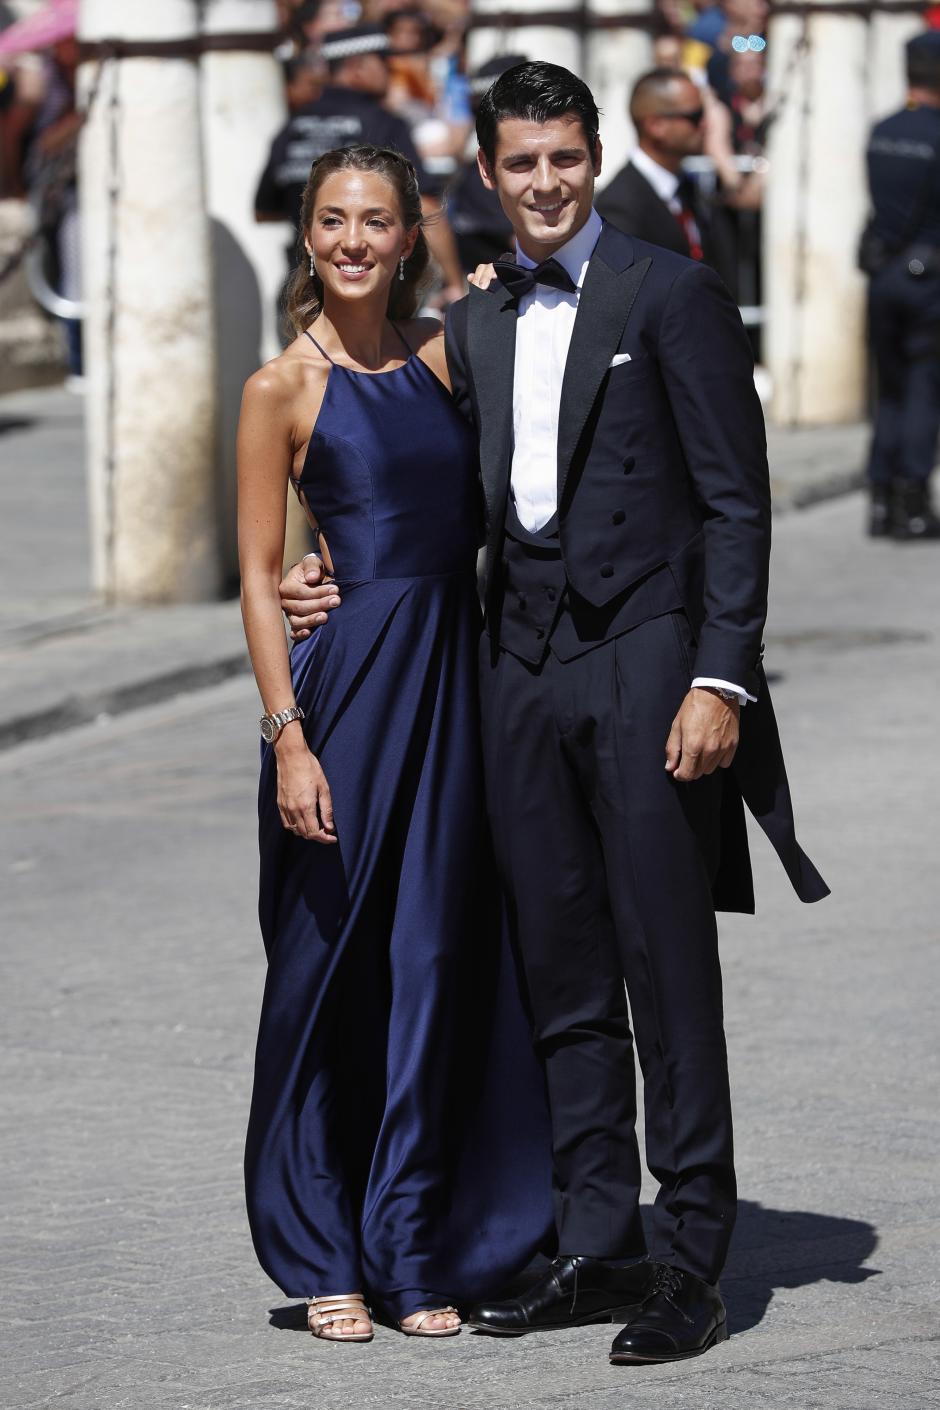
<point x="276" y="721"/>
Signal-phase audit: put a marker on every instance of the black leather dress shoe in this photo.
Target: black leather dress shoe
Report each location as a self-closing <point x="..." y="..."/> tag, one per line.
<point x="681" y="1317"/>
<point x="574" y="1292"/>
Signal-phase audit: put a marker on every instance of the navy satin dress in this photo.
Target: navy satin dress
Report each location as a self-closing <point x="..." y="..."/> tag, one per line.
<point x="398" y="1138"/>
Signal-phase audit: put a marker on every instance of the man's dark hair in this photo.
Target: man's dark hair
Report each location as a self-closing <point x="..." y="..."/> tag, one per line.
<point x="923" y="61"/>
<point x="535" y="92"/>
<point x="650" y="89"/>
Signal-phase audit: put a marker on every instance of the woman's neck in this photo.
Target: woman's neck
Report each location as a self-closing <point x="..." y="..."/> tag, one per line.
<point x="361" y="330"/>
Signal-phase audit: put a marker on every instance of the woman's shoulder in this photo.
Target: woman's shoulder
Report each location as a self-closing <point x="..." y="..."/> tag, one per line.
<point x="280" y="380"/>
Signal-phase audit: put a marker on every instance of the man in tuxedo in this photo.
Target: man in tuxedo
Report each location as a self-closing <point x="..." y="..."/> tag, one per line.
<point x="649" y="197"/>
<point x="627" y="539"/>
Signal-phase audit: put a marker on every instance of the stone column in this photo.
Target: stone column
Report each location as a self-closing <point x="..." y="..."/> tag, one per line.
<point x="149" y="330"/>
<point x="243" y="106"/>
<point x="817" y="203"/>
<point x="815" y="208"/>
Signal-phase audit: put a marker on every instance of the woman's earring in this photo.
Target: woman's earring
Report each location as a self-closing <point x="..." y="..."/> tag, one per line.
<point x="313" y="268"/>
<point x="401" y="269"/>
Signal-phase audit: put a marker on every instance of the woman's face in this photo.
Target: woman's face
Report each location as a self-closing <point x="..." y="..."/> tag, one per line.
<point x="357" y="234"/>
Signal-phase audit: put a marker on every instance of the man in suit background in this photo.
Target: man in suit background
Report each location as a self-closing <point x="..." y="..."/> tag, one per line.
<point x="649" y="197"/>
<point x="627" y="499"/>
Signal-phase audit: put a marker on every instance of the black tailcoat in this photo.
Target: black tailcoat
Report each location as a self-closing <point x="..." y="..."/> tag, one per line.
<point x="662" y="468"/>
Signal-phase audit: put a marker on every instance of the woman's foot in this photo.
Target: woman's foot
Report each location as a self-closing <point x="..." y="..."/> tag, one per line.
<point x="433" y="1322"/>
<point x="342" y="1317"/>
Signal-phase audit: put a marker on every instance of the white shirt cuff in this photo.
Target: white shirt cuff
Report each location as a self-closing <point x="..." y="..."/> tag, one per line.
<point x="742" y="695"/>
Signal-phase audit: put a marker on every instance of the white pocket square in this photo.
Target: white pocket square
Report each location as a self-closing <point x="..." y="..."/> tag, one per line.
<point x="618" y="358"/>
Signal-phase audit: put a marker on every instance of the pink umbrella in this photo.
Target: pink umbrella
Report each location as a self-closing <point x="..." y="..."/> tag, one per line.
<point x="57" y="20"/>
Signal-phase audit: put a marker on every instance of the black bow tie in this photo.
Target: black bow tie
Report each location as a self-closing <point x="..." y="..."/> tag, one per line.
<point x="519" y="280"/>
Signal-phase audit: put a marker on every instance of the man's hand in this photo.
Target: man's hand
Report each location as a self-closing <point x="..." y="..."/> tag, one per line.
<point x="308" y="595"/>
<point x="704" y="735"/>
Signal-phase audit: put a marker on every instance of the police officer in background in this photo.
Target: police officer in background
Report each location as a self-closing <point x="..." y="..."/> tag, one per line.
<point x="900" y="251"/>
<point x="348" y="113"/>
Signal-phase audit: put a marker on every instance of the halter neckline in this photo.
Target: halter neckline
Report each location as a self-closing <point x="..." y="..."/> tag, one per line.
<point x="358" y="372"/>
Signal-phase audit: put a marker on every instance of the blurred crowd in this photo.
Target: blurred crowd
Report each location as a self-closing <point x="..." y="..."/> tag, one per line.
<point x="722" y="49"/>
<point x="395" y="72"/>
<point x="702" y="116"/>
<point x="39" y="130"/>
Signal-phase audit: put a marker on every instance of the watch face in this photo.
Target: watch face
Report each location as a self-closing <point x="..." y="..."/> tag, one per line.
<point x="268" y="730"/>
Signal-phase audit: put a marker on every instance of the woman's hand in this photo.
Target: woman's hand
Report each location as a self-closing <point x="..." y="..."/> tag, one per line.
<point x="483" y="276"/>
<point x="303" y="794"/>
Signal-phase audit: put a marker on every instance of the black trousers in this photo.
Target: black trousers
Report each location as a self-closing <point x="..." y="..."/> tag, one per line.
<point x="904" y="328"/>
<point x="606" y="861"/>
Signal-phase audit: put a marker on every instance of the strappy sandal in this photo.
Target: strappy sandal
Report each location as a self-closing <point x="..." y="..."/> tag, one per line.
<point x="322" y="1312"/>
<point x="417" y="1328"/>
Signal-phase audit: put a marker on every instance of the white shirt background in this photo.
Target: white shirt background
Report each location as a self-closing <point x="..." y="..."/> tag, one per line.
<point x="664" y="183"/>
<point x="544" y="324"/>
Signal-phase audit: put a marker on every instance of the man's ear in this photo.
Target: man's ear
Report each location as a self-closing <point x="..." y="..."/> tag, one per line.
<point x="484" y="169"/>
<point x="598" y="155"/>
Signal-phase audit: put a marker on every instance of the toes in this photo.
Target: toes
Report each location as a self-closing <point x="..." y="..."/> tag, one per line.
<point x="346" y="1327"/>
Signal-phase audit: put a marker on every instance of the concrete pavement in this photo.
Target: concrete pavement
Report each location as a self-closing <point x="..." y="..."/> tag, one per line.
<point x="133" y="973"/>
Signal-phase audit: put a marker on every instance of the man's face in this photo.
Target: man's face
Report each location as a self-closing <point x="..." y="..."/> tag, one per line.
<point x="543" y="173"/>
<point x="366" y="73"/>
<point x="678" y="126"/>
<point x="746" y="72"/>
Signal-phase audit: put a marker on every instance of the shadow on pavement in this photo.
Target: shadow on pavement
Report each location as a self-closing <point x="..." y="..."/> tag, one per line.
<point x="772" y="1248"/>
<point x="16" y="423"/>
<point x="790" y="1248"/>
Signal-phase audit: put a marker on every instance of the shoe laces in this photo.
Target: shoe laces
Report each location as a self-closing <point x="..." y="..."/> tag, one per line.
<point x="667" y="1281"/>
<point x="557" y="1263"/>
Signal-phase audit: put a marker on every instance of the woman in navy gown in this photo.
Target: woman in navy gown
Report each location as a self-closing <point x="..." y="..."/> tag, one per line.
<point x="397" y="1150"/>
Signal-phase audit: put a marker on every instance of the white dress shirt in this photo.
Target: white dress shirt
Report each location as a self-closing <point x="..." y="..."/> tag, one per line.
<point x="664" y="183"/>
<point x="544" y="324"/>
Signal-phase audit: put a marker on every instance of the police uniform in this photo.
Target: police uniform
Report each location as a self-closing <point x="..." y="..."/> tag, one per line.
<point x="901" y="253"/>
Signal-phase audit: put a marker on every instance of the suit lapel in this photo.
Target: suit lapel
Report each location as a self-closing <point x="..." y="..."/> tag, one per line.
<point x="603" y="309"/>
<point x="657" y="220"/>
<point x="491" y="349"/>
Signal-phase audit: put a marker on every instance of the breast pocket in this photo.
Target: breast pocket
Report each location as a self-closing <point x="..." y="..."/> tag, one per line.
<point x="621" y="374"/>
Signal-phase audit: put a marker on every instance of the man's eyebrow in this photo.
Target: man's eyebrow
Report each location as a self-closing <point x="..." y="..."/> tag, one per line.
<point x="530" y="156"/>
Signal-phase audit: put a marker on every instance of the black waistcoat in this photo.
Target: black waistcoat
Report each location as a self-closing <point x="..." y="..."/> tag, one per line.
<point x="540" y="611"/>
<point x="533" y="585"/>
